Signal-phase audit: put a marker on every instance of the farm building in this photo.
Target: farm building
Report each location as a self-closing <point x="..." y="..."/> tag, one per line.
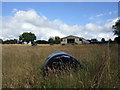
<point x="73" y="40"/>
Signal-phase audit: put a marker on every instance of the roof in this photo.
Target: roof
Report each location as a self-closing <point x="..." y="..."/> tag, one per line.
<point x="71" y="37"/>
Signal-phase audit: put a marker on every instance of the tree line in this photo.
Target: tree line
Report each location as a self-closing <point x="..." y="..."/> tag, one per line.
<point x="30" y="37"/>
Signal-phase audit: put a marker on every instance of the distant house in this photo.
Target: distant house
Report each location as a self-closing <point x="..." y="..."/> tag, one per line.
<point x="73" y="40"/>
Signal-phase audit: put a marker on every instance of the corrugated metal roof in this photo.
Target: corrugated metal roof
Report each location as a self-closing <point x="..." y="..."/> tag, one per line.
<point x="71" y="36"/>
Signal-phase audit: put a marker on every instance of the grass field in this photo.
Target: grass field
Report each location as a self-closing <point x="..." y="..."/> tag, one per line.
<point x="21" y="66"/>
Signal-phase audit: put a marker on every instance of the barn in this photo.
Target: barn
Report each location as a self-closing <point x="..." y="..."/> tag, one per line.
<point x="73" y="40"/>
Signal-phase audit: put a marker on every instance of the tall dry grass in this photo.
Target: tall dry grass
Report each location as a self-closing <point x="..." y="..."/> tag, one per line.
<point x="21" y="66"/>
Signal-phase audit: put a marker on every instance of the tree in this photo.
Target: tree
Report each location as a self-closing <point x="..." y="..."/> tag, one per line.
<point x="103" y="40"/>
<point x="116" y="31"/>
<point x="1" y="41"/>
<point x="51" y="40"/>
<point x="116" y="28"/>
<point x="57" y="40"/>
<point x="110" y="41"/>
<point x="117" y="39"/>
<point x="41" y="42"/>
<point x="94" y="40"/>
<point x="27" y="37"/>
<point x="14" y="41"/>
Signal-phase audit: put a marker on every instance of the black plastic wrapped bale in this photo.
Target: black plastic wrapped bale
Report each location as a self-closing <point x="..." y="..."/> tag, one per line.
<point x="34" y="44"/>
<point x="60" y="61"/>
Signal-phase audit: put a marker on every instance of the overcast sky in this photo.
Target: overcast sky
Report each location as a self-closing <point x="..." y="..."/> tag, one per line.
<point x="46" y="19"/>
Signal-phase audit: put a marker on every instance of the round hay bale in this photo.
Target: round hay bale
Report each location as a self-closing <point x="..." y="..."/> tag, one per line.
<point x="60" y="61"/>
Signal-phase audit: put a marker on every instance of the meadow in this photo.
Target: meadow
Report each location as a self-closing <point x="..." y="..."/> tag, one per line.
<point x="21" y="66"/>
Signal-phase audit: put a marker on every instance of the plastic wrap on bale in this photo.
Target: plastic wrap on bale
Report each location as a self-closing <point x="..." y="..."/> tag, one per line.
<point x="60" y="61"/>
